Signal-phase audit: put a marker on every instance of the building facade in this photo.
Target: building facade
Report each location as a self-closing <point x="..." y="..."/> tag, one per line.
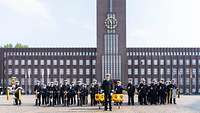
<point x="111" y="56"/>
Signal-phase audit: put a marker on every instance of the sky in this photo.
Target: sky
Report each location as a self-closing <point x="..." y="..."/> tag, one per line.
<point x="72" y="23"/>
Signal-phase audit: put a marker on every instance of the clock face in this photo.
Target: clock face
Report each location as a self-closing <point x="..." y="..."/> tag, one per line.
<point x="111" y="23"/>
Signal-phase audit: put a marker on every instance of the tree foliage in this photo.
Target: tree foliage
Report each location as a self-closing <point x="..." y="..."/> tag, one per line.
<point x="18" y="45"/>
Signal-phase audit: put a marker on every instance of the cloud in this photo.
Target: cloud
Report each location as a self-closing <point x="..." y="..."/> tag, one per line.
<point x="32" y="9"/>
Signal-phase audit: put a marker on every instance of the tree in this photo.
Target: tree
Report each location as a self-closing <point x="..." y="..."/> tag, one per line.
<point x="9" y="45"/>
<point x="18" y="45"/>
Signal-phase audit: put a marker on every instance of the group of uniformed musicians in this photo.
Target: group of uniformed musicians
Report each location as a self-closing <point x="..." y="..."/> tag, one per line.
<point x="67" y="94"/>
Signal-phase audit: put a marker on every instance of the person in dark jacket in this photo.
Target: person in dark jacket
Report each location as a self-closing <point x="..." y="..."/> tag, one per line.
<point x="118" y="90"/>
<point x="131" y="91"/>
<point x="65" y="89"/>
<point x="44" y="95"/>
<point x="37" y="91"/>
<point x="51" y="94"/>
<point x="83" y="94"/>
<point x="142" y="90"/>
<point x="107" y="88"/>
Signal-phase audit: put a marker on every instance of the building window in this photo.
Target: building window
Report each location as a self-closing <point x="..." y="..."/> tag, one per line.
<point x="16" y="71"/>
<point x="42" y="72"/>
<point x="35" y="71"/>
<point x="54" y="71"/>
<point x="168" y="62"/>
<point x="162" y="62"/>
<point x="174" y="62"/>
<point x="80" y="71"/>
<point x="61" y="62"/>
<point x="9" y="71"/>
<point x="35" y="62"/>
<point x="155" y="62"/>
<point x="68" y="62"/>
<point x="181" y="62"/>
<point x="148" y="62"/>
<point x="22" y="62"/>
<point x="129" y="62"/>
<point x="187" y="71"/>
<point x="93" y="62"/>
<point x="29" y="62"/>
<point x="9" y="62"/>
<point x="162" y="71"/>
<point x="149" y="71"/>
<point x="42" y="62"/>
<point x="142" y="71"/>
<point x="23" y="71"/>
<point x="93" y="71"/>
<point x="87" y="71"/>
<point x="135" y="71"/>
<point x="168" y="71"/>
<point x="194" y="71"/>
<point x="48" y="62"/>
<point x="135" y="62"/>
<point x="87" y="81"/>
<point x="68" y="71"/>
<point x="54" y="62"/>
<point x="155" y="71"/>
<point x="80" y="62"/>
<point x="193" y="61"/>
<point x="74" y="62"/>
<point x="74" y="72"/>
<point x="187" y="81"/>
<point x="61" y="71"/>
<point x="142" y="62"/>
<point x="16" y="62"/>
<point x="187" y="62"/>
<point x="130" y="71"/>
<point x="87" y="62"/>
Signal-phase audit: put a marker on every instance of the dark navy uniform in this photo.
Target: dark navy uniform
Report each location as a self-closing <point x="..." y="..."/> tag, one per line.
<point x="93" y="91"/>
<point x="44" y="95"/>
<point x="83" y="95"/>
<point x="131" y="92"/>
<point x="65" y="89"/>
<point x="51" y="94"/>
<point x="142" y="96"/>
<point x="161" y="93"/>
<point x="56" y="94"/>
<point x="107" y="88"/>
<point x="37" y="90"/>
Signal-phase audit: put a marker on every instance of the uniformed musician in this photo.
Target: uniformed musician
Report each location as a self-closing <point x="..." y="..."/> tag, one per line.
<point x="107" y="88"/>
<point x="37" y="91"/>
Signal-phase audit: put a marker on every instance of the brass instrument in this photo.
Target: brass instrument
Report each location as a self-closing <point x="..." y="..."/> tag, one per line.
<point x="99" y="97"/>
<point x="117" y="98"/>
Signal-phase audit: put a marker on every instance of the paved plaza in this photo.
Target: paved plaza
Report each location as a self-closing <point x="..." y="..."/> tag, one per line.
<point x="186" y="104"/>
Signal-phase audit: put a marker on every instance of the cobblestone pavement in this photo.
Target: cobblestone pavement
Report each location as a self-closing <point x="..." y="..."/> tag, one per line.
<point x="186" y="104"/>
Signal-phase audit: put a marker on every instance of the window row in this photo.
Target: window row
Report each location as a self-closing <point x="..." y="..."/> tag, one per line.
<point x="163" y="62"/>
<point x="160" y="53"/>
<point x="50" y="54"/>
<point x="68" y="71"/>
<point x="51" y="62"/>
<point x="168" y="71"/>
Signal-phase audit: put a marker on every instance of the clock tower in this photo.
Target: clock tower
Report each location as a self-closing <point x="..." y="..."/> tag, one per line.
<point x="111" y="40"/>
